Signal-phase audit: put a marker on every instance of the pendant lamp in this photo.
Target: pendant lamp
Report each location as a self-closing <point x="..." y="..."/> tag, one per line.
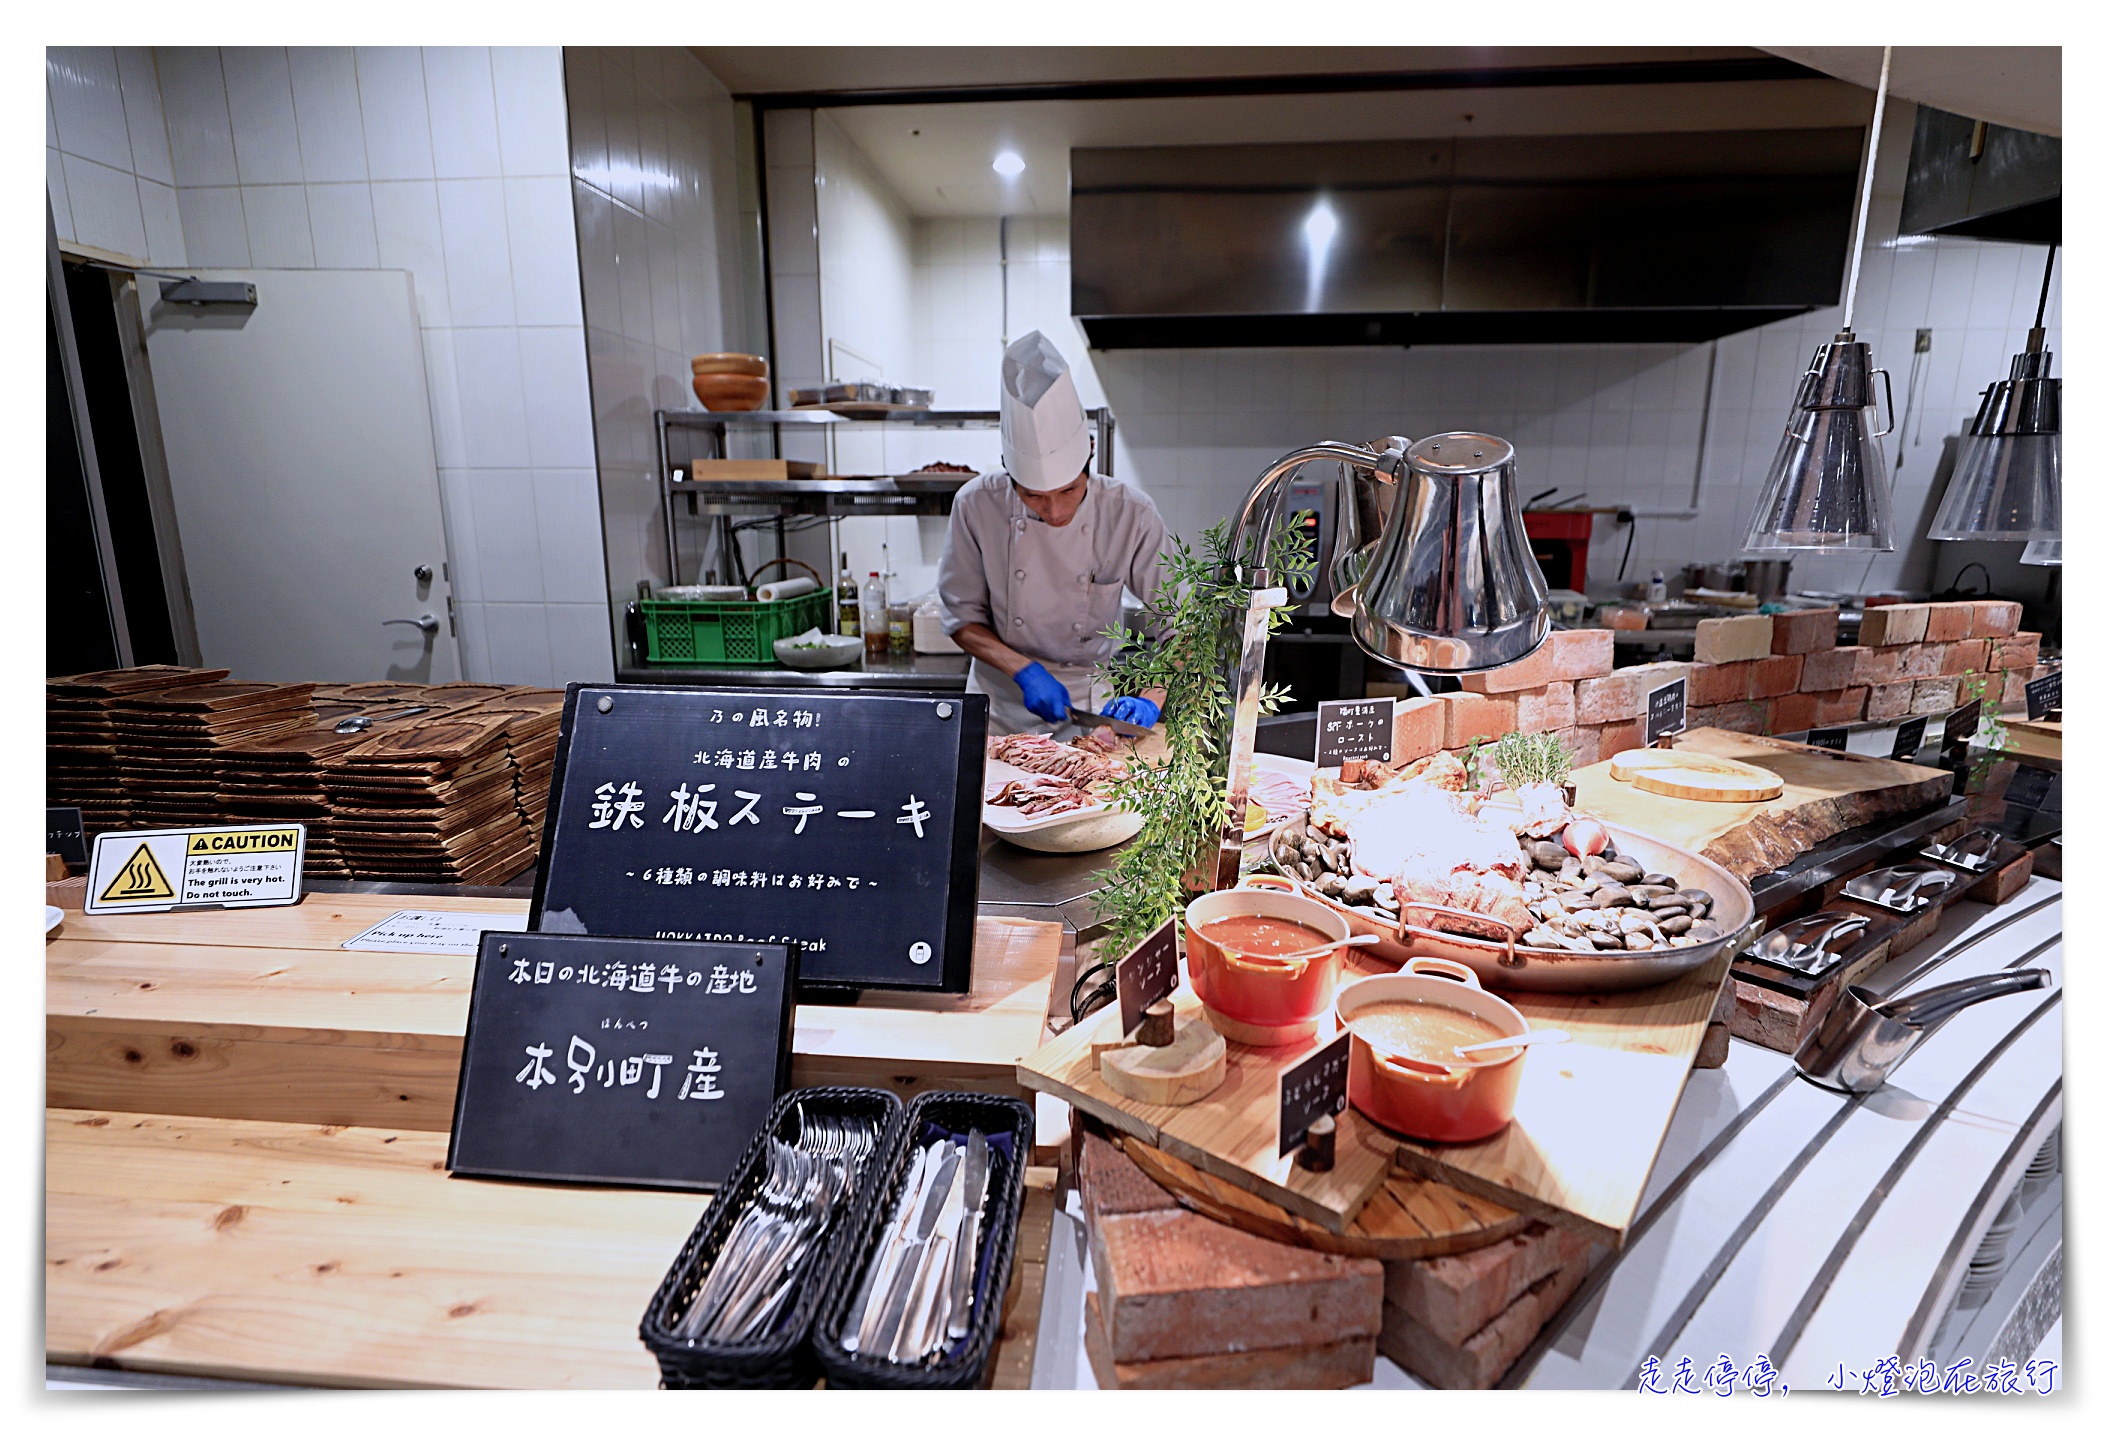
<point x="2044" y="553"/>
<point x="2007" y="485"/>
<point x="1827" y="488"/>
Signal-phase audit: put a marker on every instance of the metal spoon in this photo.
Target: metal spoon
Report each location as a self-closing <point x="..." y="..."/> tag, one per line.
<point x="1500" y="1045"/>
<point x="1360" y="939"/>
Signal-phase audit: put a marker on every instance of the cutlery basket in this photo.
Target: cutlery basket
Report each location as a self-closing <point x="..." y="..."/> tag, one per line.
<point x="782" y="1357"/>
<point x="1007" y="1124"/>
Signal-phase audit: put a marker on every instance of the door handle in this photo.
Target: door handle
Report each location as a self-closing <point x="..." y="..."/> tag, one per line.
<point x="423" y="623"/>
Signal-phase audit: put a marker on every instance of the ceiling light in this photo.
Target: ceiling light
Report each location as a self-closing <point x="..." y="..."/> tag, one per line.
<point x="2008" y="483"/>
<point x="1827" y="489"/>
<point x="1009" y="164"/>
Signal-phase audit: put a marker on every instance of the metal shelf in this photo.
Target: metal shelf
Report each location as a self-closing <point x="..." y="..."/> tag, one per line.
<point x="831" y="497"/>
<point x="764" y="418"/>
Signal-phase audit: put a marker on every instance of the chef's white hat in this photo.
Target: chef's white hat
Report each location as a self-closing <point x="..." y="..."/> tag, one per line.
<point x="1045" y="443"/>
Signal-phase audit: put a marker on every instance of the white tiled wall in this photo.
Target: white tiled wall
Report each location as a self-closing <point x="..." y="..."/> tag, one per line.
<point x="449" y="163"/>
<point x="1620" y="422"/>
<point x="655" y="203"/>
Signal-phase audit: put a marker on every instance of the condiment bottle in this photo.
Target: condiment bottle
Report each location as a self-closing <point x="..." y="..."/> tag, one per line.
<point x="845" y="602"/>
<point x="877" y="635"/>
<point x="1657" y="588"/>
<point x="900" y="628"/>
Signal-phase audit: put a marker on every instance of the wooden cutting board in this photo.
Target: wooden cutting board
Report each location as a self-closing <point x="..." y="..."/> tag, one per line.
<point x="1823" y="794"/>
<point x="1674" y="773"/>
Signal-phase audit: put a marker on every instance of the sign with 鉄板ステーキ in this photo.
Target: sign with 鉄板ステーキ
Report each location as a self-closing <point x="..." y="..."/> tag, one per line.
<point x="155" y="869"/>
<point x="619" y="1060"/>
<point x="847" y="824"/>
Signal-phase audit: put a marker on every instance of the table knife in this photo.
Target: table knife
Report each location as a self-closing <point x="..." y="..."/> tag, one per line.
<point x="886" y="1335"/>
<point x="878" y="1277"/>
<point x="925" y="1323"/>
<point x="966" y="1249"/>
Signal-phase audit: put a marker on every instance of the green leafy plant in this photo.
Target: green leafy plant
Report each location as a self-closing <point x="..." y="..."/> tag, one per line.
<point x="1525" y="758"/>
<point x="1197" y="617"/>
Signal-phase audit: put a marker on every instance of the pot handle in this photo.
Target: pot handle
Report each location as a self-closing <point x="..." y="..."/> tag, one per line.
<point x="1501" y="932"/>
<point x="1274" y="882"/>
<point x="1441" y="967"/>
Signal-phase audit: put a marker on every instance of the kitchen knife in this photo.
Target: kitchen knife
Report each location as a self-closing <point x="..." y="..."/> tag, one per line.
<point x="887" y="1334"/>
<point x="1083" y="719"/>
<point x="966" y="1249"/>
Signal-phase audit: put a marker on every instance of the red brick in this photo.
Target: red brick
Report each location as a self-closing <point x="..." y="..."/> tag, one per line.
<point x="2016" y="687"/>
<point x="1475" y="715"/>
<point x="1945" y="622"/>
<point x="1582" y="652"/>
<point x="1804" y="630"/>
<point x="1610" y="699"/>
<point x="1770" y="677"/>
<point x="1791" y="712"/>
<point x="1888" y="700"/>
<point x="1921" y="660"/>
<point x="1934" y="695"/>
<point x="2020" y="651"/>
<point x="1331" y="1366"/>
<point x="1532" y="672"/>
<point x="1995" y="619"/>
<point x="1845" y="706"/>
<point x="1418" y="727"/>
<point x="1876" y="666"/>
<point x="1893" y="623"/>
<point x="1454" y="1296"/>
<point x="1713" y="683"/>
<point x="1695" y="717"/>
<point x="1747" y="716"/>
<point x="1111" y="1184"/>
<point x="1491" y="1350"/>
<point x="1653" y="675"/>
<point x="1971" y="655"/>
<point x="1547" y="708"/>
<point x="1615" y="738"/>
<point x="1731" y="640"/>
<point x="1179" y="1284"/>
<point x="1829" y="670"/>
<point x="1585" y="744"/>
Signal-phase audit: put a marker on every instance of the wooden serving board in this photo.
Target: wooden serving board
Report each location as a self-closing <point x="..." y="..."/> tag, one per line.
<point x="262" y="1014"/>
<point x="1589" y="1119"/>
<point x="345" y="1256"/>
<point x="1687" y="774"/>
<point x="1825" y="793"/>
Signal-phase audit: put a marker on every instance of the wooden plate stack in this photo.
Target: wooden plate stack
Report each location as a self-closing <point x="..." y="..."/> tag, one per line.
<point x="81" y="761"/>
<point x="530" y="739"/>
<point x="173" y="743"/>
<point x="435" y="802"/>
<point x="280" y="778"/>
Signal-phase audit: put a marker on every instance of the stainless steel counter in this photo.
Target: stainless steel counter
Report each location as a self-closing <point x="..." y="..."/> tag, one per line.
<point x="919" y="673"/>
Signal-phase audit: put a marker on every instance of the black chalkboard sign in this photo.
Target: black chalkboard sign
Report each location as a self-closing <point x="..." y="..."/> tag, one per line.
<point x="65" y="835"/>
<point x="1665" y="710"/>
<point x="1961" y="724"/>
<point x="2030" y="787"/>
<point x="1832" y="738"/>
<point x="1313" y="1088"/>
<point x="2045" y="695"/>
<point x="1355" y="728"/>
<point x="635" y="1063"/>
<point x="1148" y="974"/>
<point x="1909" y="739"/>
<point x="846" y="823"/>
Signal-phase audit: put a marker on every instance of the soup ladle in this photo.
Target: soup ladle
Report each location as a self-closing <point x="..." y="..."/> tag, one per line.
<point x="1360" y="939"/>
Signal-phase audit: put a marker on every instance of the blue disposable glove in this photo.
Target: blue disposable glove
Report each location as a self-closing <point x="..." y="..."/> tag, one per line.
<point x="1138" y="711"/>
<point x="1043" y="692"/>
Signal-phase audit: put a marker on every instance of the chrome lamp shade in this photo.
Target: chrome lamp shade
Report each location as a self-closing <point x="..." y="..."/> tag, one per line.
<point x="1827" y="489"/>
<point x="2044" y="553"/>
<point x="2007" y="484"/>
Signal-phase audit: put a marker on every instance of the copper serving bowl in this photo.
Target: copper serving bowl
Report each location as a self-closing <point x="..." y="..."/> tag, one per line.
<point x="1496" y="952"/>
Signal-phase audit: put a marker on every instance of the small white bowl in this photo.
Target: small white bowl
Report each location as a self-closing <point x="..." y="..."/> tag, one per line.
<point x="834" y="652"/>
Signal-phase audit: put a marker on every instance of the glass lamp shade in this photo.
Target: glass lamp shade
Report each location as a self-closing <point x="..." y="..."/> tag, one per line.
<point x="2044" y="553"/>
<point x="2007" y="484"/>
<point x="1827" y="488"/>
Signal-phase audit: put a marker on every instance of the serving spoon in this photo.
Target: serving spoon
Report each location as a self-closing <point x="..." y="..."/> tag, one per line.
<point x="1360" y="939"/>
<point x="1504" y="1044"/>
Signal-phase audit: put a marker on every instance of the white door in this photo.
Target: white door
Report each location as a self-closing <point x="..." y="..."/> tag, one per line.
<point x="300" y="459"/>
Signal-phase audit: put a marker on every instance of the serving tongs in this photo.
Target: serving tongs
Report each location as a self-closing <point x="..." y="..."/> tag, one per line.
<point x="1862" y="1039"/>
<point x="1971" y="852"/>
<point x="1901" y="888"/>
<point x="1810" y="945"/>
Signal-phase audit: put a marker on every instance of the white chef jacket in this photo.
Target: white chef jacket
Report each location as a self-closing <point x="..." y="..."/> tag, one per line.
<point x="1048" y="592"/>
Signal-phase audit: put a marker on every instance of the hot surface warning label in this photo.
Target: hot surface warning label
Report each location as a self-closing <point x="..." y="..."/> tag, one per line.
<point x="158" y="869"/>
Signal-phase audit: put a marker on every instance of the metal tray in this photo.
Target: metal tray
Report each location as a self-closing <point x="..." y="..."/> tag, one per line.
<point x="1501" y="960"/>
<point x="1809" y="946"/>
<point x="1905" y="888"/>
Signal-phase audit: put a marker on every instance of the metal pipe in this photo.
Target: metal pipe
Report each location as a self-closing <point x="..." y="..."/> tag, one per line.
<point x="1866" y="188"/>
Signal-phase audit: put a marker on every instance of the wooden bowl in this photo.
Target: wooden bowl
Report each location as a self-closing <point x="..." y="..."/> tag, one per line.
<point x="731" y="393"/>
<point x="752" y="365"/>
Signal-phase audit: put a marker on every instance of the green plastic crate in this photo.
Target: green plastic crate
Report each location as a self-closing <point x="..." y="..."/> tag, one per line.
<point x="702" y="633"/>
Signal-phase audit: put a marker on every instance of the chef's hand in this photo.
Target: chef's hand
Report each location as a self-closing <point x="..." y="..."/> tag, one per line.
<point x="1138" y="711"/>
<point x="1044" y="694"/>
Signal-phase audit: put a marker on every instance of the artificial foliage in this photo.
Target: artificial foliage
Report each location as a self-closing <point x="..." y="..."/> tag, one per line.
<point x="1195" y="628"/>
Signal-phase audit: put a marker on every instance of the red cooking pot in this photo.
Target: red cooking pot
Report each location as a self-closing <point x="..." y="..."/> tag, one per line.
<point x="1253" y="998"/>
<point x="1459" y="1101"/>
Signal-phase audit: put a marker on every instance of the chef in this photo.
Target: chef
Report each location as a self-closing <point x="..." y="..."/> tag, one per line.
<point x="1037" y="556"/>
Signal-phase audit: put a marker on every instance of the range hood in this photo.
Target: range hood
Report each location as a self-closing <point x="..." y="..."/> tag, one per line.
<point x="1983" y="180"/>
<point x="1508" y="240"/>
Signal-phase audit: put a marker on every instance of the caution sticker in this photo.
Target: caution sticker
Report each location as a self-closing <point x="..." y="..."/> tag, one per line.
<point x="161" y="868"/>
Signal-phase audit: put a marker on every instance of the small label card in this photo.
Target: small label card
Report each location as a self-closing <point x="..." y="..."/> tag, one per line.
<point x="1148" y="974"/>
<point x="65" y="835"/>
<point x="413" y="930"/>
<point x="2029" y="787"/>
<point x="1665" y="710"/>
<point x="1831" y="738"/>
<point x="1909" y="739"/>
<point x="155" y="869"/>
<point x="1355" y="729"/>
<point x="2045" y="695"/>
<point x="1313" y="1088"/>
<point x="1961" y="724"/>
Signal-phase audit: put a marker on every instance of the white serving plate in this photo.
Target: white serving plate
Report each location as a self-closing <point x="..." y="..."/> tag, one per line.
<point x="1080" y="830"/>
<point x="837" y="652"/>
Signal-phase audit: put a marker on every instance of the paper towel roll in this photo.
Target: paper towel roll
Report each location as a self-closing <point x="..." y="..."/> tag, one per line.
<point x="784" y="588"/>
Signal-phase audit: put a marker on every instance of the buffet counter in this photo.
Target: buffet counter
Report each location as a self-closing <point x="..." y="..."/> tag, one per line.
<point x="915" y="673"/>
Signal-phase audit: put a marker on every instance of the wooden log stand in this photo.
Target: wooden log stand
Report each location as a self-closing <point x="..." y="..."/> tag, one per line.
<point x="1169" y="1064"/>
